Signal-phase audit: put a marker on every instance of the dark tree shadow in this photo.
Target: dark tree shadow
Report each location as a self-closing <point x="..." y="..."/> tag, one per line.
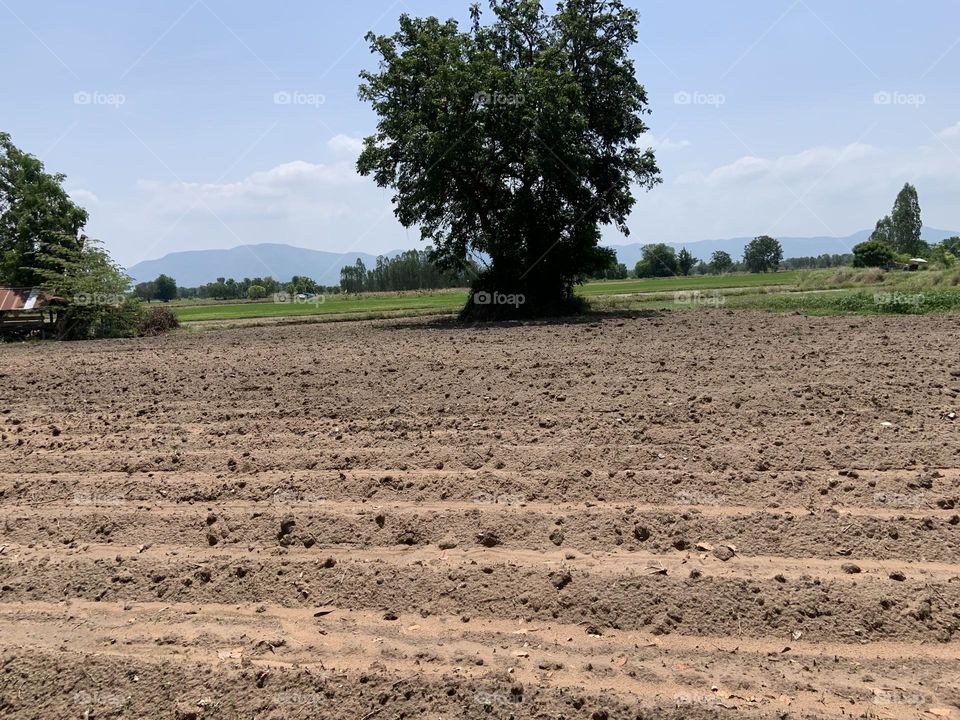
<point x="453" y="324"/>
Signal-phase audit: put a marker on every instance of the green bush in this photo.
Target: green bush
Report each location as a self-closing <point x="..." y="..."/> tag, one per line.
<point x="95" y="320"/>
<point x="872" y="253"/>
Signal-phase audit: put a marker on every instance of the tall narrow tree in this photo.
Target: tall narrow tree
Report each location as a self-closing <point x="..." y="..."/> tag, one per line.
<point x="906" y="222"/>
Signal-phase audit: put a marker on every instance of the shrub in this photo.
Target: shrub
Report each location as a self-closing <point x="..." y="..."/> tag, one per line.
<point x="158" y="320"/>
<point x="872" y="253"/>
<point x="90" y="321"/>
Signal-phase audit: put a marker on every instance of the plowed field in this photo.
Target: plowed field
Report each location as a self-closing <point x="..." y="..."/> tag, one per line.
<point x="678" y="515"/>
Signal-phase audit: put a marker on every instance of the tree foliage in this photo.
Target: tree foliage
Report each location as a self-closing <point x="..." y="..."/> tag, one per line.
<point x="36" y="218"/>
<point x="901" y="229"/>
<point x="907" y="224"/>
<point x="657" y="260"/>
<point x="825" y="260"/>
<point x="721" y="262"/>
<point x="762" y="254"/>
<point x="410" y="270"/>
<point x="96" y="288"/>
<point x="608" y="267"/>
<point x="872" y="253"/>
<point x="515" y="140"/>
<point x="685" y="261"/>
<point x="165" y="288"/>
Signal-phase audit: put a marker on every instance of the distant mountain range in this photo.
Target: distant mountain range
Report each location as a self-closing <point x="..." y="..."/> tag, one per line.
<point x="281" y="262"/>
<point x="197" y="267"/>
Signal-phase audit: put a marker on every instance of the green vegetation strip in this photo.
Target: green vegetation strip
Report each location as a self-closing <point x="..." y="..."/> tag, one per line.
<point x="814" y="292"/>
<point x="333" y="305"/>
<point x="693" y="282"/>
<point x="447" y="301"/>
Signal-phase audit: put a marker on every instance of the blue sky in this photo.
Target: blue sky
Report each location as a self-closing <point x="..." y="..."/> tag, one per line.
<point x="194" y="124"/>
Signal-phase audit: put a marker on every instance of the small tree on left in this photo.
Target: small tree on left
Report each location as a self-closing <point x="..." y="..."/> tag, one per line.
<point x="42" y="245"/>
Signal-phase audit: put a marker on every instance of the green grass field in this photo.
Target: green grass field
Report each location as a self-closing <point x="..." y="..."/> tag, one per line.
<point x="332" y="305"/>
<point x="695" y="282"/>
<point x="452" y="300"/>
<point x="816" y="292"/>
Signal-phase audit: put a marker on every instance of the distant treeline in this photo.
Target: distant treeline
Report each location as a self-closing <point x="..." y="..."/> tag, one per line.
<point x="415" y="270"/>
<point x="410" y="270"/>
<point x="818" y="261"/>
<point x="253" y="289"/>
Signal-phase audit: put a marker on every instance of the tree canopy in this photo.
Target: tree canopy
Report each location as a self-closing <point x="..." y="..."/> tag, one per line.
<point x="762" y="254"/>
<point x="901" y="229"/>
<point x="721" y="262"/>
<point x="907" y="224"/>
<point x="872" y="253"/>
<point x="514" y="140"/>
<point x="657" y="260"/>
<point x="685" y="261"/>
<point x="36" y="217"/>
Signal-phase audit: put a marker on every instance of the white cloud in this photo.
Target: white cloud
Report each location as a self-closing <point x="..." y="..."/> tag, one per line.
<point x="951" y="132"/>
<point x="322" y="205"/>
<point x="83" y="197"/>
<point x="345" y="145"/>
<point x="817" y="191"/>
<point x="270" y="193"/>
<point x="666" y="144"/>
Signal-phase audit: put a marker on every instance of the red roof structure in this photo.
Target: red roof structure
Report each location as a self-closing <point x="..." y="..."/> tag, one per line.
<point x="26" y="299"/>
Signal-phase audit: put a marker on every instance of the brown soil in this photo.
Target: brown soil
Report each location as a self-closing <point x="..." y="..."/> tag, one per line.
<point x="682" y="515"/>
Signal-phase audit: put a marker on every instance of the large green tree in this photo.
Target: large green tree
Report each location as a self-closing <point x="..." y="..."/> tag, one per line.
<point x="36" y="218"/>
<point x="872" y="253"/>
<point x="514" y="140"/>
<point x="906" y="223"/>
<point x="721" y="262"/>
<point x="657" y="260"/>
<point x="165" y="288"/>
<point x="762" y="254"/>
